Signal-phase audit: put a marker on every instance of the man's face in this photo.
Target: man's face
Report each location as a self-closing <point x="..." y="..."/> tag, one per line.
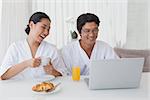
<point x="89" y="32"/>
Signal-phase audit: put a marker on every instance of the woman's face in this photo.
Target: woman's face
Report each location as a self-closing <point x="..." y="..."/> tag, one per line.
<point x="40" y="30"/>
<point x="89" y="33"/>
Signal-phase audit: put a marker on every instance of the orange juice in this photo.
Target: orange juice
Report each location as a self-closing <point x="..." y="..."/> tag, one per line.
<point x="76" y="73"/>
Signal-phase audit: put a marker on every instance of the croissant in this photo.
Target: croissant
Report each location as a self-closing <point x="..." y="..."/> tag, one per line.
<point x="44" y="86"/>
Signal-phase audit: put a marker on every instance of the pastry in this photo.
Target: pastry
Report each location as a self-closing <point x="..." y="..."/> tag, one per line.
<point x="44" y="86"/>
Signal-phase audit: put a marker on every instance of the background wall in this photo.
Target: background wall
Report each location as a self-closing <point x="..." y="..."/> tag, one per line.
<point x="13" y="22"/>
<point x="138" y="36"/>
<point x="15" y="15"/>
<point x="112" y="14"/>
<point x="138" y="22"/>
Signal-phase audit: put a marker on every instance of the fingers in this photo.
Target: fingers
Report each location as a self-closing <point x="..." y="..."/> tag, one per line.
<point x="48" y="69"/>
<point x="36" y="62"/>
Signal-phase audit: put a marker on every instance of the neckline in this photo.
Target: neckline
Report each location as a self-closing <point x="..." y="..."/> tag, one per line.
<point x="29" y="49"/>
<point x="92" y="53"/>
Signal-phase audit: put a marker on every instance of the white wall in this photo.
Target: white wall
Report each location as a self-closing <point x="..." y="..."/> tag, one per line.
<point x="13" y="23"/>
<point x="138" y="32"/>
<point x="112" y="14"/>
<point x="15" y="15"/>
<point x="137" y="25"/>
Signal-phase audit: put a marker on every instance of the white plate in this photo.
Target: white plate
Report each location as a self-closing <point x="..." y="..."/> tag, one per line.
<point x="57" y="89"/>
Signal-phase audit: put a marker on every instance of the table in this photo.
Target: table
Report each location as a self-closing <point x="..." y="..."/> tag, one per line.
<point x="73" y="90"/>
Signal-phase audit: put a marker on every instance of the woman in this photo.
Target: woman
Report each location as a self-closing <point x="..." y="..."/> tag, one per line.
<point x="81" y="52"/>
<point x="23" y="58"/>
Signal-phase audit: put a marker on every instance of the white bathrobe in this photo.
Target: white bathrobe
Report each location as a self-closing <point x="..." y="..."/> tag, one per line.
<point x="20" y="51"/>
<point x="74" y="55"/>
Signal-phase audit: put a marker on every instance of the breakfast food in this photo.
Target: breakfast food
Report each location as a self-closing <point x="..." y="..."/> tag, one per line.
<point x="44" y="86"/>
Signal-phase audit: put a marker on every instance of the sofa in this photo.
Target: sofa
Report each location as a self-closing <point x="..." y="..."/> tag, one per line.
<point x="132" y="53"/>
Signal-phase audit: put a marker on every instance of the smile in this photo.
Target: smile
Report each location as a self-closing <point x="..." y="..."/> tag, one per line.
<point x="42" y="36"/>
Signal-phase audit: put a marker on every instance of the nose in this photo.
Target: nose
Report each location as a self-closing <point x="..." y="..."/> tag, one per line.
<point x="46" y="32"/>
<point x="91" y="34"/>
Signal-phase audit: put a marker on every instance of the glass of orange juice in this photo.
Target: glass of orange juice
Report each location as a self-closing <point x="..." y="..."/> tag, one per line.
<point x="76" y="73"/>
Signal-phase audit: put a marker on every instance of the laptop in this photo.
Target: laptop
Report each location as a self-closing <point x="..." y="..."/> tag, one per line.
<point x="115" y="73"/>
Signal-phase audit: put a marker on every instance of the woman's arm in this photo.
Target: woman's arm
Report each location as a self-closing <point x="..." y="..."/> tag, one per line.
<point x="16" y="69"/>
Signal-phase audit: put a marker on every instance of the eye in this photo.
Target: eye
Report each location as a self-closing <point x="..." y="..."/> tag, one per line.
<point x="86" y="31"/>
<point x="43" y="27"/>
<point x="95" y="30"/>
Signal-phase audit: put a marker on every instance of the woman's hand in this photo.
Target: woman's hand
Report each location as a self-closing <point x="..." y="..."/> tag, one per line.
<point x="49" y="69"/>
<point x="15" y="69"/>
<point x="34" y="62"/>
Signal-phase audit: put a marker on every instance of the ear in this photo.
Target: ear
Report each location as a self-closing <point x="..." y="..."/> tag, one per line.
<point x="31" y="24"/>
<point x="80" y="34"/>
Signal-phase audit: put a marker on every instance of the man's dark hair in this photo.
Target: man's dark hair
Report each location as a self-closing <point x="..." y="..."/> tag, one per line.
<point x="84" y="18"/>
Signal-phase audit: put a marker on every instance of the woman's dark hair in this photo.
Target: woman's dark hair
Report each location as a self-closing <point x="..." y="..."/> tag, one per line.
<point x="84" y="18"/>
<point x="36" y="17"/>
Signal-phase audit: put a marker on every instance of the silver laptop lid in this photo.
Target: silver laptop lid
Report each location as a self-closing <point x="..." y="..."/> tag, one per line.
<point x="115" y="73"/>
